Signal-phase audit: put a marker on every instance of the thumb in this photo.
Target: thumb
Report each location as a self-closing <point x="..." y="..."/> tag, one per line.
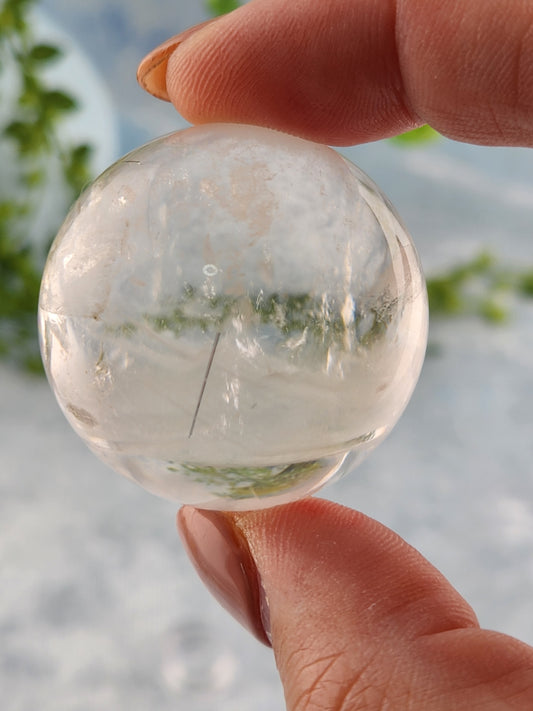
<point x="356" y="617"/>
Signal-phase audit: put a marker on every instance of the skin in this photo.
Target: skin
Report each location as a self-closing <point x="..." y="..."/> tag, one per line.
<point x="348" y="71"/>
<point x="359" y="620"/>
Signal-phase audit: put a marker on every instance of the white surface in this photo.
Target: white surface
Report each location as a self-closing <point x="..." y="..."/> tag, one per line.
<point x="97" y="600"/>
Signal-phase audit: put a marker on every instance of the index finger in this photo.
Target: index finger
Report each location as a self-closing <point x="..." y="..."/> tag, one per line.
<point x="349" y="71"/>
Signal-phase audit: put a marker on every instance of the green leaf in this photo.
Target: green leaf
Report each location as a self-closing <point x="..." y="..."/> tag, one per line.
<point x="525" y="284"/>
<point x="493" y="312"/>
<point x="222" y="7"/>
<point x="28" y="135"/>
<point x="13" y="16"/>
<point x="30" y="95"/>
<point x="58" y="101"/>
<point x="44" y="53"/>
<point x="418" y="136"/>
<point x="33" y="363"/>
<point x="444" y="297"/>
<point x="33" y="178"/>
<point x="76" y="168"/>
<point x="480" y="265"/>
<point x="9" y="210"/>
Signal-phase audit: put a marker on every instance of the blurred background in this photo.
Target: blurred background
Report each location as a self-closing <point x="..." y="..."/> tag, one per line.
<point x="99" y="607"/>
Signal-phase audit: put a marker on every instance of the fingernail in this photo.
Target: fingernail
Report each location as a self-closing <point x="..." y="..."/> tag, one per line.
<point x="222" y="559"/>
<point x="152" y="71"/>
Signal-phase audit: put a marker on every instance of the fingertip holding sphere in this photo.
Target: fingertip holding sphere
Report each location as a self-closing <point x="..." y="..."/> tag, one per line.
<point x="232" y="316"/>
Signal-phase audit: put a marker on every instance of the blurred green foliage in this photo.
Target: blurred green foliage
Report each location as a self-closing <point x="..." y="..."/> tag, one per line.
<point x="221" y="7"/>
<point x="31" y="136"/>
<point x="422" y="134"/>
<point x="479" y="287"/>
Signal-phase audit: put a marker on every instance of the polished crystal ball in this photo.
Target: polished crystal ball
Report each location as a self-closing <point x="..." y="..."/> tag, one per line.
<point x="231" y="316"/>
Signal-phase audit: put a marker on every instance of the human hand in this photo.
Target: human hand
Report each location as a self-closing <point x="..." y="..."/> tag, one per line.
<point x="357" y="618"/>
<point x="346" y="71"/>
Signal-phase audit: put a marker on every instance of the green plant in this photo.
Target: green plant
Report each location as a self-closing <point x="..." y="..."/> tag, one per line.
<point x="30" y="137"/>
<point x="221" y="7"/>
<point x="421" y="135"/>
<point x="480" y="287"/>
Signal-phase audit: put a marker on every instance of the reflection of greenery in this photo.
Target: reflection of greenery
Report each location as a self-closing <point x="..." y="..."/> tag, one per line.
<point x="31" y="134"/>
<point x="304" y="319"/>
<point x="243" y="482"/>
<point x="479" y="287"/>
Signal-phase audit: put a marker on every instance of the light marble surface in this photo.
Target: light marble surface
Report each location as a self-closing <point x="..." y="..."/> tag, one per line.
<point x="99" y="608"/>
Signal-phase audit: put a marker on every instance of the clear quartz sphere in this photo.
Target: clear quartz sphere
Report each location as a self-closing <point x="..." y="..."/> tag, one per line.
<point x="232" y="316"/>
